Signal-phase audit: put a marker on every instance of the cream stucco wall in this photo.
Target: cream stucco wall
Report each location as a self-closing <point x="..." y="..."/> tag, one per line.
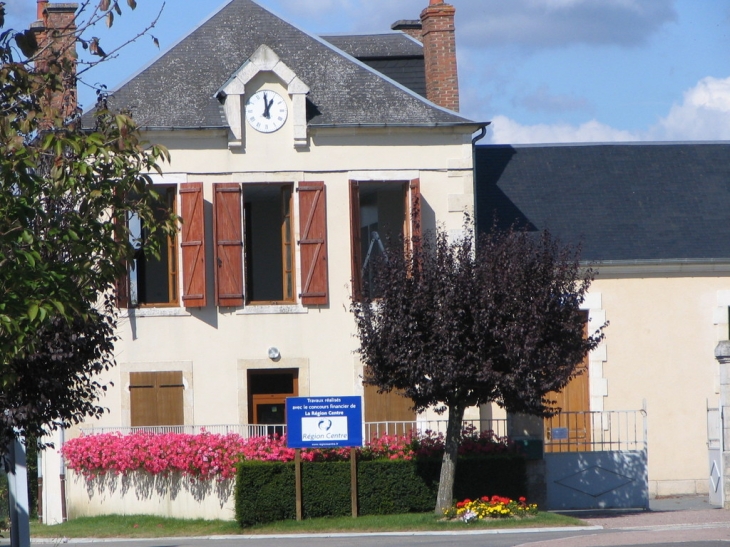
<point x="212" y="346"/>
<point x="215" y="347"/>
<point x="659" y="347"/>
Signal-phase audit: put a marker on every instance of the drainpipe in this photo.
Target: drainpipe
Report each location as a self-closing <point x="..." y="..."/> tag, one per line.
<point x="478" y="137"/>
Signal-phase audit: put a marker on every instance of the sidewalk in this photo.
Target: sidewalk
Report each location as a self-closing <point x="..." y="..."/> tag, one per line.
<point x="669" y="520"/>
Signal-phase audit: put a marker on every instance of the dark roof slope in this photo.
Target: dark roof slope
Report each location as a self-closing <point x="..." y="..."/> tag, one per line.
<point x="364" y="46"/>
<point x="177" y="89"/>
<point x="628" y="202"/>
<point x="396" y="55"/>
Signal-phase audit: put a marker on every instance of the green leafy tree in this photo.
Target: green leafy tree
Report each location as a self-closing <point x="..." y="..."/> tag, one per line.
<point x="456" y="325"/>
<point x="66" y="194"/>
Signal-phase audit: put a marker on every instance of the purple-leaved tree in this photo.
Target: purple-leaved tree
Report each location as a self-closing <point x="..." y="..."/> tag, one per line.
<point x="453" y="324"/>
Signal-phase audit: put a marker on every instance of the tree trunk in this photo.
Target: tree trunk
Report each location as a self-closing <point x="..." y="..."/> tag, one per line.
<point x="448" y="467"/>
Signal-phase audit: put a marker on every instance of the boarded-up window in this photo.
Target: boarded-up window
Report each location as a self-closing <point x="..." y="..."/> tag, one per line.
<point x="156" y="398"/>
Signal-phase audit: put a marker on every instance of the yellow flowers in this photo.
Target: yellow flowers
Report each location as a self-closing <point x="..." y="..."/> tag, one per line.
<point x="494" y="507"/>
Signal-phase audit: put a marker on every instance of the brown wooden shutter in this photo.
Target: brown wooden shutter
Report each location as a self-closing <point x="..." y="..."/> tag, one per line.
<point x="170" y="398"/>
<point x="356" y="258"/>
<point x="143" y="398"/>
<point x="415" y="211"/>
<point x="313" y="243"/>
<point x="121" y="286"/>
<point x="193" y="244"/>
<point x="228" y="237"/>
<point x="122" y="289"/>
<point x="156" y="398"/>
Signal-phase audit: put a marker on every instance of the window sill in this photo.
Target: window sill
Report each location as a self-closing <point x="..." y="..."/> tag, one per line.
<point x="154" y="312"/>
<point x="253" y="309"/>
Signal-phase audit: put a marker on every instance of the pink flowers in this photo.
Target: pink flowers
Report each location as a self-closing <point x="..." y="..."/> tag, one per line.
<point x="202" y="456"/>
<point x="211" y="456"/>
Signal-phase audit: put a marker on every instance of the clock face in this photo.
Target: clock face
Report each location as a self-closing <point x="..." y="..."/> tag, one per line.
<point x="266" y="111"/>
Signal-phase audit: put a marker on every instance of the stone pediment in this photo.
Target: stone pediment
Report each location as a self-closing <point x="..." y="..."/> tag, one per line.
<point x="232" y="94"/>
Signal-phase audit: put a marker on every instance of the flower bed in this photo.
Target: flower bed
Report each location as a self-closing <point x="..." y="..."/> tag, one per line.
<point x="212" y="456"/>
<point x="496" y="507"/>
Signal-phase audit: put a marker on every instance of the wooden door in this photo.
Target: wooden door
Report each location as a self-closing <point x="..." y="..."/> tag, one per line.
<point x="570" y="430"/>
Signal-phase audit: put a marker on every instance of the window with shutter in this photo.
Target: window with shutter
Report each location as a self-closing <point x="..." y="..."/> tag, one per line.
<point x="254" y="250"/>
<point x="313" y="243"/>
<point x="153" y="281"/>
<point x="193" y="244"/>
<point x="156" y="398"/>
<point x="381" y="215"/>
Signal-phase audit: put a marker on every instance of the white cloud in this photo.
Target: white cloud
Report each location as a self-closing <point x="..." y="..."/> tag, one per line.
<point x="506" y="131"/>
<point x="703" y="115"/>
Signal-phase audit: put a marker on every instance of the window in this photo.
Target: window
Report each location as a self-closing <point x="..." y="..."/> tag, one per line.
<point x="268" y="250"/>
<point x="380" y="211"/>
<point x="152" y="280"/>
<point x="156" y="398"/>
<point x="255" y="252"/>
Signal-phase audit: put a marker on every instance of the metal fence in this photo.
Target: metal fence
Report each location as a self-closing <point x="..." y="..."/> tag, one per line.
<point x="607" y="430"/>
<point x="371" y="430"/>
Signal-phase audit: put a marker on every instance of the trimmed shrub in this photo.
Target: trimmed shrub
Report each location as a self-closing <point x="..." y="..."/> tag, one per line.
<point x="265" y="490"/>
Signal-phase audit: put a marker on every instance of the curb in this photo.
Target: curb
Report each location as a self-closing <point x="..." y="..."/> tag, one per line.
<point x="58" y="541"/>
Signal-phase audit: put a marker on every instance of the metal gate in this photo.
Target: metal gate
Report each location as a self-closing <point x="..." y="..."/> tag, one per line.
<point x="714" y="450"/>
<point x="605" y="469"/>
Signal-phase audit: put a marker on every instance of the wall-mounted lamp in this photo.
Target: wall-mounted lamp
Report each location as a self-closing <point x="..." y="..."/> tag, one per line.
<point x="274" y="353"/>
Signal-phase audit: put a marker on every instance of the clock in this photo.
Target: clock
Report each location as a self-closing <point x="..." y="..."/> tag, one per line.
<point x="266" y="111"/>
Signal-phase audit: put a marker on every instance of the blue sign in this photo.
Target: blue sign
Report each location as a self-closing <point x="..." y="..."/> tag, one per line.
<point x="323" y="422"/>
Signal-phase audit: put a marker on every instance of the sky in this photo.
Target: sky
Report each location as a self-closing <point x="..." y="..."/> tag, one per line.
<point x="542" y="71"/>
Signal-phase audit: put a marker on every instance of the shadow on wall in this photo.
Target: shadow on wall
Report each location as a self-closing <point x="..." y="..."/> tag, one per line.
<point x="140" y="486"/>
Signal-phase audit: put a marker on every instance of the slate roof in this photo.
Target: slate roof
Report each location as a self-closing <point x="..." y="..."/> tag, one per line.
<point x="394" y="54"/>
<point x="177" y="89"/>
<point x="624" y="202"/>
<point x="368" y="46"/>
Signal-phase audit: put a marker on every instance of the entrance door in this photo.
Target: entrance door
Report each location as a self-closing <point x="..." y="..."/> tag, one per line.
<point x="570" y="430"/>
<point x="268" y="391"/>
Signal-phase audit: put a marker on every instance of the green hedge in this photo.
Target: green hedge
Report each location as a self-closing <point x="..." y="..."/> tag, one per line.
<point x="265" y="490"/>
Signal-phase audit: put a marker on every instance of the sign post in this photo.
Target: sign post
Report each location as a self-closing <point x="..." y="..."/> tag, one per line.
<point x="324" y="422"/>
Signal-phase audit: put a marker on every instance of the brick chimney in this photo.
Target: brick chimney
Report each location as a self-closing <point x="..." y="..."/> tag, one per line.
<point x="439" y="51"/>
<point x="55" y="32"/>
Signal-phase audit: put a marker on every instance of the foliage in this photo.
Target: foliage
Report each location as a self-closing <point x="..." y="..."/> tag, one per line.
<point x="457" y="324"/>
<point x="265" y="491"/>
<point x="65" y="196"/>
<point x="212" y="456"/>
<point x="496" y="507"/>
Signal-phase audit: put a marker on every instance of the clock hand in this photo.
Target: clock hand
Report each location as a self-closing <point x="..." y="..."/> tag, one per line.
<point x="267" y="110"/>
<point x="267" y="107"/>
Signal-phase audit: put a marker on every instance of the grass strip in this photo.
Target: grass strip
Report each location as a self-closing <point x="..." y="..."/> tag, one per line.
<point x="145" y="526"/>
